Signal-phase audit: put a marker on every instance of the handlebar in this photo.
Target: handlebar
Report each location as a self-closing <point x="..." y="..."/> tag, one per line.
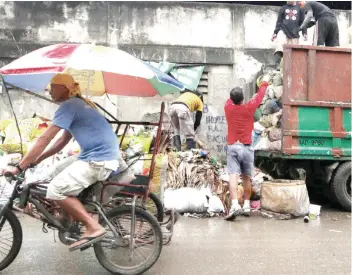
<point x="10" y="177"/>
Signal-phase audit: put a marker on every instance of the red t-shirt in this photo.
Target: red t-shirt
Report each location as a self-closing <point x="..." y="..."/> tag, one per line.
<point x="240" y="118"/>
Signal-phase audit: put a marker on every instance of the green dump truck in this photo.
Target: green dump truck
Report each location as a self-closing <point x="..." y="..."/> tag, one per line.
<point x="316" y="121"/>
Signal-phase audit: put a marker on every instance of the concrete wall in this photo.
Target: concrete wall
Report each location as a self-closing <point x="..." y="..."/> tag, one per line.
<point x="218" y="35"/>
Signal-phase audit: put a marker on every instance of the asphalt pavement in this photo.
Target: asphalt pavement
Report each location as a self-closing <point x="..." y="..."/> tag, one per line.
<point x="252" y="245"/>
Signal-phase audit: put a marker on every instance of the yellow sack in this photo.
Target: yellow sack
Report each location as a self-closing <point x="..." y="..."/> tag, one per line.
<point x="146" y="141"/>
<point x="3" y="125"/>
<point x="13" y="148"/>
<point x="159" y="175"/>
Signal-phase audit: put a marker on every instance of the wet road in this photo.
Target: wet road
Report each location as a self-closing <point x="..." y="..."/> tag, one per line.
<point x="252" y="245"/>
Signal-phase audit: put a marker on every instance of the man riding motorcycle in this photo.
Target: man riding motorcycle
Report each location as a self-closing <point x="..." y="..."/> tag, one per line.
<point x="99" y="155"/>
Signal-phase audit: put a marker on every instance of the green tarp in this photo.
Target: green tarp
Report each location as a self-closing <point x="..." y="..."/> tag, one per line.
<point x="188" y="75"/>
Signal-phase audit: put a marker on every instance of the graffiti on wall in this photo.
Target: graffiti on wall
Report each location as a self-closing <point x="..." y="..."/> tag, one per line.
<point x="214" y="129"/>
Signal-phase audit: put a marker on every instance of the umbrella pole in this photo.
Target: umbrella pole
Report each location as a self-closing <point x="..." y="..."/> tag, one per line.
<point x="13" y="112"/>
<point x="105" y="111"/>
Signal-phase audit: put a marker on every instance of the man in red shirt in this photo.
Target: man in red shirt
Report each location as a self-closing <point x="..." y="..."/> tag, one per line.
<point x="240" y="154"/>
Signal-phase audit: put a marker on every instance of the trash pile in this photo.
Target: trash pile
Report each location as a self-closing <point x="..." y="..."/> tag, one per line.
<point x="257" y="180"/>
<point x="194" y="168"/>
<point x="197" y="183"/>
<point x="267" y="131"/>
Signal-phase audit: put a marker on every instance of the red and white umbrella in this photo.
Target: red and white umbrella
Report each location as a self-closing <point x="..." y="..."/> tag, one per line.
<point x="97" y="69"/>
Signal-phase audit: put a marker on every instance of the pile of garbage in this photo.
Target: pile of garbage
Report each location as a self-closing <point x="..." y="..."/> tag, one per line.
<point x="194" y="168"/>
<point x="267" y="131"/>
<point x="224" y="193"/>
<point x="192" y="178"/>
<point x="197" y="183"/>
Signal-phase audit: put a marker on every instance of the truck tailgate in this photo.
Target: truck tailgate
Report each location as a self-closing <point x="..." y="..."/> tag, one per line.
<point x="316" y="115"/>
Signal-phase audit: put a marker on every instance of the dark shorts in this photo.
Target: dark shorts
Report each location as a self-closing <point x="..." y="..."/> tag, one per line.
<point x="328" y="32"/>
<point x="240" y="159"/>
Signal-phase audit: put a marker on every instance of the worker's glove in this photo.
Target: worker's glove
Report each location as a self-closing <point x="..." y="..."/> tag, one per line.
<point x="266" y="78"/>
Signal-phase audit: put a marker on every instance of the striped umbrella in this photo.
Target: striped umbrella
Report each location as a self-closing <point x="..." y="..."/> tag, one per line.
<point x="97" y="69"/>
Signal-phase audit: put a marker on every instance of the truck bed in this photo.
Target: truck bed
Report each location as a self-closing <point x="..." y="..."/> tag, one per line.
<point x="316" y="114"/>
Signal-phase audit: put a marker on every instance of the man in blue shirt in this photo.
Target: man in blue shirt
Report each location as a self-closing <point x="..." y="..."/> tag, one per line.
<point x="79" y="118"/>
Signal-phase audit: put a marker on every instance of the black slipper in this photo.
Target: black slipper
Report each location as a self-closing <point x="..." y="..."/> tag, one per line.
<point x="90" y="240"/>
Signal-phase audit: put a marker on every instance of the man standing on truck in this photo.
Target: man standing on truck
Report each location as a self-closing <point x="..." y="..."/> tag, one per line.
<point x="240" y="154"/>
<point x="328" y="29"/>
<point x="290" y="17"/>
<point x="180" y="113"/>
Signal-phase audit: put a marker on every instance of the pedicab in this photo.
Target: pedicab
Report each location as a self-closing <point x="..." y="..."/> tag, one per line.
<point x="131" y="228"/>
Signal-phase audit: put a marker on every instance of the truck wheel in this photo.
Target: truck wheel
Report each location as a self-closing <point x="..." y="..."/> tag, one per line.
<point x="341" y="185"/>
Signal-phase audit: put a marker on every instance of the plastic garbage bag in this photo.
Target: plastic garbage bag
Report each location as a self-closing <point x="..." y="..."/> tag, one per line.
<point x="275" y="134"/>
<point x="215" y="205"/>
<point x="263" y="144"/>
<point x="278" y="91"/>
<point x="270" y="92"/>
<point x="271" y="106"/>
<point x="257" y="114"/>
<point x="255" y="138"/>
<point x="278" y="81"/>
<point x="6" y="190"/>
<point x="258" y="127"/>
<point x="186" y="200"/>
<point x="285" y="197"/>
<point x="275" y="145"/>
<point x="38" y="174"/>
<point x="3" y="163"/>
<point x="257" y="181"/>
<point x="270" y="120"/>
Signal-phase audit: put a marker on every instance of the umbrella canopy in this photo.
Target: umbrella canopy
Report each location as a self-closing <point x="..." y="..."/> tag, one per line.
<point x="97" y="69"/>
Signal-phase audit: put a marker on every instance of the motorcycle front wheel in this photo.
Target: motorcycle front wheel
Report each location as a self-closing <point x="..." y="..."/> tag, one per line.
<point x="10" y="238"/>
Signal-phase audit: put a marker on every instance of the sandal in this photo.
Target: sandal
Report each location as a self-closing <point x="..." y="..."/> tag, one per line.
<point x="89" y="241"/>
